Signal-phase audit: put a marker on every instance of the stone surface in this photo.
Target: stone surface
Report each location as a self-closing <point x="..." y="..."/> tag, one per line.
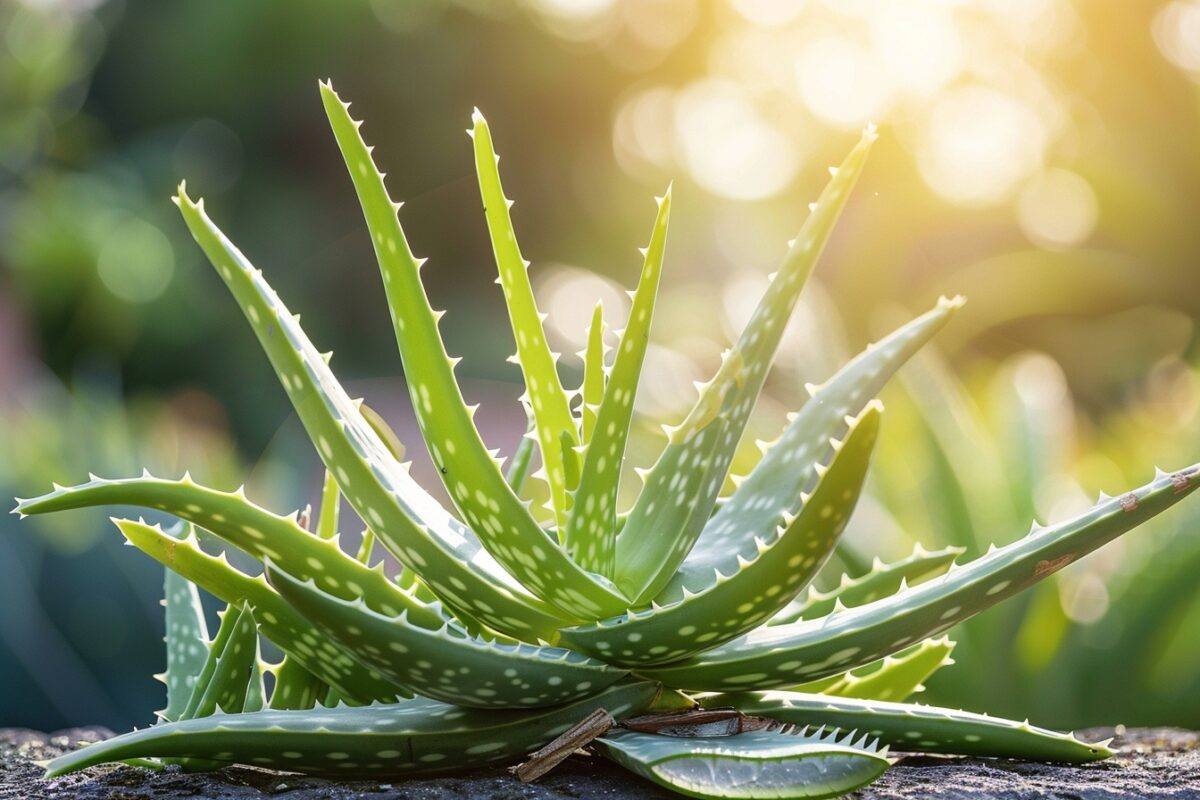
<point x="1152" y="763"/>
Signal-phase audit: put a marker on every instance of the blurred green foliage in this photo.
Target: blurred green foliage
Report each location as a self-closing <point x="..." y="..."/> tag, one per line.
<point x="1085" y="255"/>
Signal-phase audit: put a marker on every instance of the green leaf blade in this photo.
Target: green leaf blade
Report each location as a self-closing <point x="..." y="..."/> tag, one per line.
<point x="927" y="729"/>
<point x="411" y="523"/>
<point x="591" y="531"/>
<point x="752" y="584"/>
<point x="186" y="640"/>
<point x="472" y="477"/>
<point x="880" y="581"/>
<point x="552" y="411"/>
<point x="894" y="678"/>
<point x="486" y="674"/>
<point x="732" y="392"/>
<point x="776" y="484"/>
<point x="225" y="678"/>
<point x="412" y="737"/>
<point x="780" y="655"/>
<point x="594" y="375"/>
<point x="316" y="652"/>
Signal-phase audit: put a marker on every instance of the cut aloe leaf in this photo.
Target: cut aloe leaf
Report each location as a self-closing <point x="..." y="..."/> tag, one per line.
<point x="591" y="531"/>
<point x="413" y="525"/>
<point x="780" y="655"/>
<point x="445" y="662"/>
<point x="757" y="764"/>
<point x="760" y="582"/>
<point x="789" y="466"/>
<point x="413" y="737"/>
<point x="292" y="633"/>
<point x="920" y="728"/>
<point x="881" y="581"/>
<point x="472" y="476"/>
<point x="551" y="407"/>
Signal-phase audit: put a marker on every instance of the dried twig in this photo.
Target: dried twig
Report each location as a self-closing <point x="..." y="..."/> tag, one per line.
<point x="539" y="763"/>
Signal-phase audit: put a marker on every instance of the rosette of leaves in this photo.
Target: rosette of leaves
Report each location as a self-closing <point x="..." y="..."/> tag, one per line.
<point x="499" y="633"/>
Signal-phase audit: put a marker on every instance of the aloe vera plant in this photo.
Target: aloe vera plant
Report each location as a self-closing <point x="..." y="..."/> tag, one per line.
<point x="499" y="633"/>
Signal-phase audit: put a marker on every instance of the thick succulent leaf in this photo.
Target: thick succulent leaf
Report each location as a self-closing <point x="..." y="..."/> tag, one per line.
<point x="760" y="581"/>
<point x="518" y="467"/>
<point x="471" y="475"/>
<point x="882" y="580"/>
<point x="186" y="640"/>
<point x="256" y="689"/>
<point x="551" y="408"/>
<point x="248" y="527"/>
<point x="591" y="532"/>
<point x="331" y="505"/>
<point x="920" y="728"/>
<point x="779" y="655"/>
<point x="413" y="525"/>
<point x="777" y="483"/>
<point x="293" y="634"/>
<point x="295" y="687"/>
<point x="657" y="553"/>
<point x="734" y="391"/>
<point x="894" y="678"/>
<point x="757" y="764"/>
<point x="594" y="375"/>
<point x="413" y="737"/>
<point x="225" y="677"/>
<point x="445" y="662"/>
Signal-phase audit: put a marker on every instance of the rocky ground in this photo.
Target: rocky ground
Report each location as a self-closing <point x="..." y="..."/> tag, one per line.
<point x="1152" y="763"/>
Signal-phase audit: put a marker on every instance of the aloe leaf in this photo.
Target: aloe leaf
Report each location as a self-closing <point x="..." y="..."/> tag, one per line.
<point x="241" y="523"/>
<point x="186" y="640"/>
<point x="278" y="621"/>
<point x="590" y="535"/>
<point x="657" y="553"/>
<point x="551" y="407"/>
<point x="893" y="678"/>
<point x="779" y="655"/>
<point x="761" y="581"/>
<point x="788" y="467"/>
<point x="295" y="686"/>
<point x="756" y="764"/>
<point x="882" y="580"/>
<point x="733" y="390"/>
<point x="412" y="737"/>
<point x="471" y="475"/>
<point x="386" y="435"/>
<point x="256" y="689"/>
<point x="223" y="681"/>
<point x="915" y="727"/>
<point x="445" y="662"/>
<point x="331" y="503"/>
<point x="413" y="525"/>
<point x="518" y="467"/>
<point x="594" y="375"/>
<point x="646" y="564"/>
<point x="571" y="460"/>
